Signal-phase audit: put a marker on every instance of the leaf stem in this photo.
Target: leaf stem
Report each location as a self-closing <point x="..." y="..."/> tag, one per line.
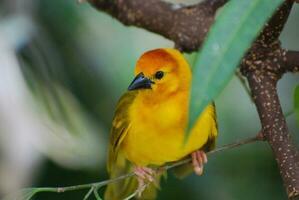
<point x="244" y="84"/>
<point x="88" y="193"/>
<point x="289" y="113"/>
<point x="96" y="185"/>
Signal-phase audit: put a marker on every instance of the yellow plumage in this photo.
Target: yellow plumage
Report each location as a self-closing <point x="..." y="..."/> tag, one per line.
<point x="150" y="121"/>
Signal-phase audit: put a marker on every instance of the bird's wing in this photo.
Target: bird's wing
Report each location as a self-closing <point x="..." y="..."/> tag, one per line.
<point x="120" y="127"/>
<point x="117" y="163"/>
<point x="210" y="144"/>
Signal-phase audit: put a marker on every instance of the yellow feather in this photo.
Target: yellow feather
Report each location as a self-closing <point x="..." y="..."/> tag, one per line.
<point x="149" y="124"/>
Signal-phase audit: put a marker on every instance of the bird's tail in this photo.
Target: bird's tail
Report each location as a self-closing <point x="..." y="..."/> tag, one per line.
<point x="120" y="190"/>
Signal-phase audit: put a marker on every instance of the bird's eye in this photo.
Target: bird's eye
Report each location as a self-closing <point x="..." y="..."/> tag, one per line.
<point x="159" y="74"/>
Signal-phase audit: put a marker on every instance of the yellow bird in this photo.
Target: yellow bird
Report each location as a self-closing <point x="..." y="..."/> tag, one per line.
<point x="150" y="124"/>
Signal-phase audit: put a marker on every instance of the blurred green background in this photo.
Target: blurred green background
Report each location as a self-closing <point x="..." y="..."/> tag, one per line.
<point x="64" y="66"/>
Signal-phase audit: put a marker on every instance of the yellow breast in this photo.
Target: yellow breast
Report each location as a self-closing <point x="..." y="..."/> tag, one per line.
<point x="156" y="133"/>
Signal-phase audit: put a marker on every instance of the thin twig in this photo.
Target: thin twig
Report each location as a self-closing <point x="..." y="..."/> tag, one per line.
<point x="138" y="192"/>
<point x="88" y="193"/>
<point x="225" y="147"/>
<point x="132" y="195"/>
<point x="289" y="113"/>
<point x="96" y="194"/>
<point x="244" y="84"/>
<point x="94" y="186"/>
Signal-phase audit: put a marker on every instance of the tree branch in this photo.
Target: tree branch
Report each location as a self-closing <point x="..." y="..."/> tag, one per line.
<point x="187" y="26"/>
<point x="93" y="187"/>
<point x="275" y="130"/>
<point x="264" y="65"/>
<point x="292" y="61"/>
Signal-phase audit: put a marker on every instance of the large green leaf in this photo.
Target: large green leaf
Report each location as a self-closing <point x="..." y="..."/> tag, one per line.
<point x="236" y="27"/>
<point x="296" y="102"/>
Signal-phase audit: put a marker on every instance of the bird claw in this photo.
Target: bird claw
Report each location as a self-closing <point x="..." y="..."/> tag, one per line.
<point x="199" y="158"/>
<point x="144" y="174"/>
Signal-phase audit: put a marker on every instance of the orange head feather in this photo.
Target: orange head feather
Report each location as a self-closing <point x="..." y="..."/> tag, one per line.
<point x="164" y="71"/>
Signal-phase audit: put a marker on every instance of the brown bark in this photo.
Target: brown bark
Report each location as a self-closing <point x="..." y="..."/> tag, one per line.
<point x="187" y="26"/>
<point x="275" y="129"/>
<point x="292" y="61"/>
<point x="263" y="66"/>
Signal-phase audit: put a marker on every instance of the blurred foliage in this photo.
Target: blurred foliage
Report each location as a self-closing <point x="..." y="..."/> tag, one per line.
<point x="78" y="63"/>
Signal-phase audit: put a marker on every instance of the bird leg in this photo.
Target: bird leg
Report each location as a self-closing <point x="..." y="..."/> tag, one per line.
<point x="144" y="175"/>
<point x="199" y="158"/>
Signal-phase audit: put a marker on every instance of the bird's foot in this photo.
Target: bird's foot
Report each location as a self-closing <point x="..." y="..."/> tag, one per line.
<point x="199" y="158"/>
<point x="144" y="175"/>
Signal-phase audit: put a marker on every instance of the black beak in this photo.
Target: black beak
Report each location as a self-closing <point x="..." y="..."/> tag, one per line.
<point x="140" y="82"/>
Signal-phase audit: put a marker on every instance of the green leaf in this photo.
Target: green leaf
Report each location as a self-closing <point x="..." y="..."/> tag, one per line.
<point x="296" y="102"/>
<point x="236" y="27"/>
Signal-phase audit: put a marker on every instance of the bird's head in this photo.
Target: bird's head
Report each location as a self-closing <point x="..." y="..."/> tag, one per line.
<point x="162" y="71"/>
